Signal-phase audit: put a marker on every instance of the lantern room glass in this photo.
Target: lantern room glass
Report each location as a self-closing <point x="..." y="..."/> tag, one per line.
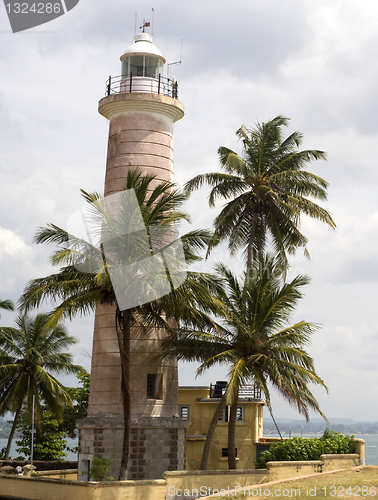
<point x="141" y="65"/>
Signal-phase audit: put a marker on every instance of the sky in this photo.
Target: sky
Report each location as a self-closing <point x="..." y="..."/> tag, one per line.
<point x="243" y="62"/>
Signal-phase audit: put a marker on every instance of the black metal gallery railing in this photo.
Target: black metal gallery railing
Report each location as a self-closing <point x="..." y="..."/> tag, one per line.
<point x="245" y="391"/>
<point x="122" y="84"/>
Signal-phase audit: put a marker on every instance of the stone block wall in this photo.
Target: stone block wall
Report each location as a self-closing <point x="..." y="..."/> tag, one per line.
<point x="156" y="450"/>
<point x="156" y="445"/>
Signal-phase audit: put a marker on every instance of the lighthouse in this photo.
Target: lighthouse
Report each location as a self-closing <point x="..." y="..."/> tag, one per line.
<point x="141" y="106"/>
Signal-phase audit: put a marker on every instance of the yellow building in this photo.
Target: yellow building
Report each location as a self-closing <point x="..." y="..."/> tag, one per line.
<point x="198" y="404"/>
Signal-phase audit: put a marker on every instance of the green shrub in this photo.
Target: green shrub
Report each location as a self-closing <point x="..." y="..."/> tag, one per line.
<point x="306" y="449"/>
<point x="343" y="444"/>
<point x="99" y="470"/>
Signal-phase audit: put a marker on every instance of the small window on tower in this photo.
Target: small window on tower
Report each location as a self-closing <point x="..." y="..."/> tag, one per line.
<point x="111" y="147"/>
<point x="184" y="411"/>
<point x="154" y="386"/>
<point x="225" y="452"/>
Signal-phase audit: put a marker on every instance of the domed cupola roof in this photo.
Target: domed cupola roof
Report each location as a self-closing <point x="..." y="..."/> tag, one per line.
<point x="143" y="45"/>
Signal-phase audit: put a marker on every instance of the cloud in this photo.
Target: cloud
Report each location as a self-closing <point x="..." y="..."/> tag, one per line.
<point x="15" y="256"/>
<point x="12" y="245"/>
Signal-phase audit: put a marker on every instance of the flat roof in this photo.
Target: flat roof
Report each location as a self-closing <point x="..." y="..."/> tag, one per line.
<point x="194" y="387"/>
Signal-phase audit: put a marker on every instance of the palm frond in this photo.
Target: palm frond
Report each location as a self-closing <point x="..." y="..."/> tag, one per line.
<point x="266" y="190"/>
<point x="253" y="337"/>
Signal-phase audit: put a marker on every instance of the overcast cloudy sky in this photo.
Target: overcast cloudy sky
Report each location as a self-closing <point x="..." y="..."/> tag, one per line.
<point x="243" y="61"/>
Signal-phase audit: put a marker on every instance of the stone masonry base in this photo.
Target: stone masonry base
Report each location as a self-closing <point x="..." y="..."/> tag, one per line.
<point x="157" y="444"/>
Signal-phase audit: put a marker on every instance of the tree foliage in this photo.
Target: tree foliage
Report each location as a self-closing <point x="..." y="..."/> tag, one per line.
<point x="29" y="355"/>
<point x="6" y="305"/>
<point x="267" y="190"/>
<point x="303" y="449"/>
<point x="79" y="410"/>
<point x="49" y="439"/>
<point x="252" y="337"/>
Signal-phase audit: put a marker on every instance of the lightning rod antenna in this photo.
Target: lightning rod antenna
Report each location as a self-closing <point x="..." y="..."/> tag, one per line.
<point x="153" y="17"/>
<point x="176" y="63"/>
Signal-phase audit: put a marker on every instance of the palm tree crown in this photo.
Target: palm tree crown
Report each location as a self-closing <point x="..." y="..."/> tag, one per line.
<point x="84" y="278"/>
<point x="89" y="274"/>
<point x="268" y="188"/>
<point x="253" y="339"/>
<point x="29" y="354"/>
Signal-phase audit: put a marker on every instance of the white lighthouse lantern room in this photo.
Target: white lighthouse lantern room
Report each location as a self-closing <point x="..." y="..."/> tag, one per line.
<point x="142" y="65"/>
<point x="142" y="70"/>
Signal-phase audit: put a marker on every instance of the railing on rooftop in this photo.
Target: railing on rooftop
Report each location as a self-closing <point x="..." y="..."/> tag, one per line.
<point x="245" y="391"/>
<point x="122" y="84"/>
<point x="250" y="391"/>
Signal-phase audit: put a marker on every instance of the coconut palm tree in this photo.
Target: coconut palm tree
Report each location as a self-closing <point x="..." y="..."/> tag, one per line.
<point x="268" y="190"/>
<point x="7" y="305"/>
<point x="89" y="273"/>
<point x="252" y="338"/>
<point x="29" y="355"/>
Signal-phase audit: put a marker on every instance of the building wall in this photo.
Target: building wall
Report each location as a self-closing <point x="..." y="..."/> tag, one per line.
<point x="202" y="408"/>
<point x="174" y="485"/>
<point x="156" y="445"/>
<point x="140" y="136"/>
<point x="138" y="140"/>
<point x="105" y="388"/>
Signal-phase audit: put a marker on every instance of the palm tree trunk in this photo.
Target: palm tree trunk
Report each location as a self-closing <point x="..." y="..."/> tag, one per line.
<point x="275" y="423"/>
<point x="11" y="435"/>
<point x="250" y="245"/>
<point x="123" y="335"/>
<point x="231" y="432"/>
<point x="210" y="432"/>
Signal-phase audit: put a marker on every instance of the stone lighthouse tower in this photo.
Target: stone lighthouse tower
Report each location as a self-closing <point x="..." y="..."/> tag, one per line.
<point x="141" y="106"/>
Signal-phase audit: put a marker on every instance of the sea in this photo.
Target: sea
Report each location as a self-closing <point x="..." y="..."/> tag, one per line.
<point x="371" y="447"/>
